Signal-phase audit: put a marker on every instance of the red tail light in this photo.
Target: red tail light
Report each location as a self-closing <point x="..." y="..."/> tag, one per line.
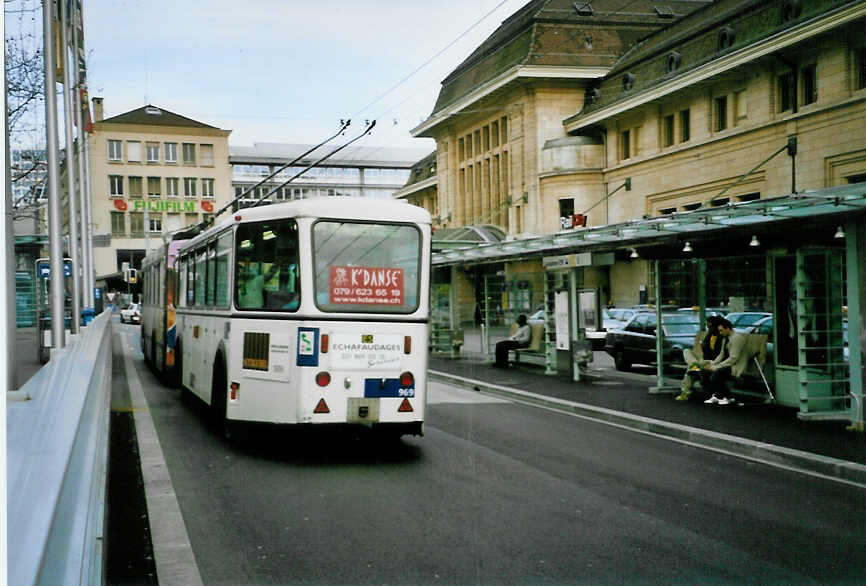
<point x="407" y="344"/>
<point x="323" y="344"/>
<point x="323" y="379"/>
<point x="406" y="379"/>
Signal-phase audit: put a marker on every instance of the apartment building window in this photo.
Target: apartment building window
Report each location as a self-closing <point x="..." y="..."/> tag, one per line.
<point x="136" y="224"/>
<point x="206" y="153"/>
<point x="171" y="152"/>
<point x="668" y="130"/>
<point x="239" y="191"/>
<point x="118" y="224"/>
<point x="741" y="107"/>
<point x="133" y="151"/>
<point x="189" y="186"/>
<point x="172" y="186"/>
<point x="720" y="113"/>
<point x="207" y="187"/>
<point x="115" y="185"/>
<point x="625" y="144"/>
<point x="810" y="84"/>
<point x="566" y="211"/>
<point x="153" y="152"/>
<point x="461" y="154"/>
<point x="485" y="138"/>
<point x="155" y="221"/>
<point x="503" y="127"/>
<point x="154" y="187"/>
<point x="494" y="133"/>
<point x="135" y="187"/>
<point x="786" y="91"/>
<point x="188" y="153"/>
<point x="685" y="125"/>
<point x="115" y="150"/>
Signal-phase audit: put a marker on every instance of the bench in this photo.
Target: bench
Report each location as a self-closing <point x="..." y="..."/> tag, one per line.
<point x="535" y="348"/>
<point x="748" y="373"/>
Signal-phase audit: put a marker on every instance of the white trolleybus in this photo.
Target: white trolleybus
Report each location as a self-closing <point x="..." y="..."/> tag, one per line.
<point x="307" y="312"/>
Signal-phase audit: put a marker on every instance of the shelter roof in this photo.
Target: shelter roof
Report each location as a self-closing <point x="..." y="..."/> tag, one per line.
<point x="832" y="205"/>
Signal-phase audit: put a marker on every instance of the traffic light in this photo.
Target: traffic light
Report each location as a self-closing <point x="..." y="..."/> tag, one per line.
<point x="133" y="275"/>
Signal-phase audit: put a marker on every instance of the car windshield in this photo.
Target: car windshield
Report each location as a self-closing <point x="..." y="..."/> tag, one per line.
<point x="681" y="324"/>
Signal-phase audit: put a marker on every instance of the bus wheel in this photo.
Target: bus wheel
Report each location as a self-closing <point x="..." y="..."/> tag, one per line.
<point x="218" y="402"/>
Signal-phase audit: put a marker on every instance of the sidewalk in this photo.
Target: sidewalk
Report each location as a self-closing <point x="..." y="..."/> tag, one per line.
<point x="749" y="428"/>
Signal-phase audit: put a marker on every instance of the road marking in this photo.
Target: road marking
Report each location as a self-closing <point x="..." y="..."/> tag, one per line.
<point x="443" y="393"/>
<point x="175" y="560"/>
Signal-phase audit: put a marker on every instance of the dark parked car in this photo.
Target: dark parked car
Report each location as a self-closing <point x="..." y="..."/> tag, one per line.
<point x="636" y="342"/>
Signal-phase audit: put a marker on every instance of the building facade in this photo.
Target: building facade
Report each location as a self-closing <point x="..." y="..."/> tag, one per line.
<point x="718" y="161"/>
<point x="355" y="171"/>
<point x="152" y="172"/>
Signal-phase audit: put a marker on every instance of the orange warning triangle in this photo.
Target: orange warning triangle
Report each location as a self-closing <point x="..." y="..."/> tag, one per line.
<point x="322" y="407"/>
<point x="405" y="406"/>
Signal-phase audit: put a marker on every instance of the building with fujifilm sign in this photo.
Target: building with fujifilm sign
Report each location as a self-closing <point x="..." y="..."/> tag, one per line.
<point x="152" y="171"/>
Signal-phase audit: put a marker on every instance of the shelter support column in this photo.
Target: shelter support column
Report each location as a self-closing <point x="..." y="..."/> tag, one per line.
<point x="660" y="366"/>
<point x="855" y="243"/>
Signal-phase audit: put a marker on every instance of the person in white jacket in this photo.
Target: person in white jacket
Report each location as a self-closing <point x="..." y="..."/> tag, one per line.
<point x="520" y="339"/>
<point x="717" y="373"/>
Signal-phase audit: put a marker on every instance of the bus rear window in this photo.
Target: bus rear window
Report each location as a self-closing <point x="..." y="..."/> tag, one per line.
<point x="366" y="267"/>
<point x="267" y="266"/>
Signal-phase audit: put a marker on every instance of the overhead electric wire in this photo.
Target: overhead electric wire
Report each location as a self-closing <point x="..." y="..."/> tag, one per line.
<point x="367" y="130"/>
<point x="343" y="126"/>
<point x="426" y="63"/>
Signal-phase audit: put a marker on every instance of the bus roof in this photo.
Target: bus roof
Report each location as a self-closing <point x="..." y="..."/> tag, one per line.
<point x="356" y="208"/>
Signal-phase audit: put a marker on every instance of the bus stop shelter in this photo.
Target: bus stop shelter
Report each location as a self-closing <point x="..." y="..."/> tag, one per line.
<point x="799" y="257"/>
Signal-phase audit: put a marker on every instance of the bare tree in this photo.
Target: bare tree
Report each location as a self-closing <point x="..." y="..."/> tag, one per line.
<point x="24" y="102"/>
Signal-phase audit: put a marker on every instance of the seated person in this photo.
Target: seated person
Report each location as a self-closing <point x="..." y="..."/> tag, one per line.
<point x="520" y="339"/>
<point x="710" y="347"/>
<point x="715" y="375"/>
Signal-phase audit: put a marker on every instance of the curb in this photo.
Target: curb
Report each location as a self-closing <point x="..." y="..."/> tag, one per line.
<point x="770" y="454"/>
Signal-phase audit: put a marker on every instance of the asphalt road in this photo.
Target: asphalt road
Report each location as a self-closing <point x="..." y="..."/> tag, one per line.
<point x="495" y="492"/>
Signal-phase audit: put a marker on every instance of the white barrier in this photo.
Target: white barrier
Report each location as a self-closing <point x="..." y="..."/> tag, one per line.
<point x="57" y="458"/>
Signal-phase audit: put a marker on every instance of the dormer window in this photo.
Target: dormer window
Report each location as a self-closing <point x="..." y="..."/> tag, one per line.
<point x="583" y="8"/>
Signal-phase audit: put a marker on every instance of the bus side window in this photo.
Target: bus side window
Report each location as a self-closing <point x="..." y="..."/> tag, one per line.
<point x="211" y="274"/>
<point x="223" y="256"/>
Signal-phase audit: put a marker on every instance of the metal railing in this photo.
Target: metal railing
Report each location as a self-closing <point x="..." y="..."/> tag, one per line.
<point x="57" y="457"/>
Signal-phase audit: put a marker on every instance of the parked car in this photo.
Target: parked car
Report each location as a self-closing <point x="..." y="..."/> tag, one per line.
<point x="743" y="320"/>
<point x="131" y="314"/>
<point x="636" y="342"/>
<point x="720" y="311"/>
<point x="617" y="317"/>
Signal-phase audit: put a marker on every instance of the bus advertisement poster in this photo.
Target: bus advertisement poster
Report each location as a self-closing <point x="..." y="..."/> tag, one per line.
<point x="366" y="286"/>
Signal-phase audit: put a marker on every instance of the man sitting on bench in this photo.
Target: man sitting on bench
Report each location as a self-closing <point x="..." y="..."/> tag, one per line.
<point x="520" y="339"/>
<point x="717" y="373"/>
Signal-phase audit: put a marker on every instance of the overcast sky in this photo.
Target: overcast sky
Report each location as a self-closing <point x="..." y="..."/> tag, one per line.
<point x="284" y="70"/>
